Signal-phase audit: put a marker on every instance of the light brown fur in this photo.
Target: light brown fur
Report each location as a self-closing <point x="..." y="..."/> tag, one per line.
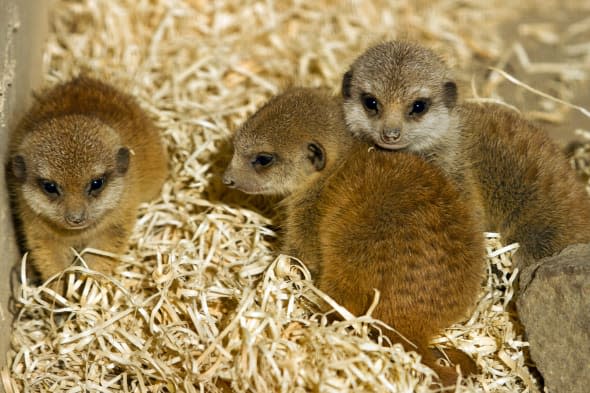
<point x="366" y="219"/>
<point x="268" y="131"/>
<point x="103" y="156"/>
<point x="507" y="168"/>
<point x="530" y="191"/>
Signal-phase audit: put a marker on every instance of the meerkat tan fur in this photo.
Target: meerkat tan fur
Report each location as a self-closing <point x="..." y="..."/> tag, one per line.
<point x="530" y="191"/>
<point x="266" y="161"/>
<point x="401" y="96"/>
<point x="365" y="219"/>
<point x="81" y="160"/>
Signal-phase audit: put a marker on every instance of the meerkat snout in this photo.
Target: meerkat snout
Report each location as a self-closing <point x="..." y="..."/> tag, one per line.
<point x="391" y="135"/>
<point x="227" y="179"/>
<point x="241" y="173"/>
<point x="228" y="182"/>
<point x="76" y="219"/>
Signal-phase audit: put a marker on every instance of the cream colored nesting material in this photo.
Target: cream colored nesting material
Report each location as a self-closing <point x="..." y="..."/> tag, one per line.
<point x="201" y="302"/>
<point x="181" y="322"/>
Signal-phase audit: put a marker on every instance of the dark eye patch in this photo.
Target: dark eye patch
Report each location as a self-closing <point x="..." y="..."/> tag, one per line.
<point x="370" y="103"/>
<point x="96" y="185"/>
<point x="263" y="160"/>
<point x="49" y="187"/>
<point x="419" y="107"/>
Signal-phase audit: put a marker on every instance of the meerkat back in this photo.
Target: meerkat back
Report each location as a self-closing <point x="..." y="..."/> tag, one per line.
<point x="396" y="223"/>
<point x="529" y="188"/>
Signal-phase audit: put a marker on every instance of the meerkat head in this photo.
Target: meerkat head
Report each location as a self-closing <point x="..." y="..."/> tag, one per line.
<point x="399" y="95"/>
<point x="287" y="142"/>
<point x="71" y="170"/>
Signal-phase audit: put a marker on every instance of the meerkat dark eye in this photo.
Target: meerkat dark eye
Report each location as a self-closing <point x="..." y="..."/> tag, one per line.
<point x="370" y="103"/>
<point x="49" y="187"/>
<point x="263" y="160"/>
<point x="96" y="185"/>
<point x="418" y="107"/>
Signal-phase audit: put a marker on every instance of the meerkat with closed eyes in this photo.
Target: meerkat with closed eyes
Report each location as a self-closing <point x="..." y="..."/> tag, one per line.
<point x="81" y="160"/>
<point x="401" y="96"/>
<point x="364" y="219"/>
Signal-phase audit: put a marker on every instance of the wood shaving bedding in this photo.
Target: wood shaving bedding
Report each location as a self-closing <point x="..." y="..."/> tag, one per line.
<point x="201" y="302"/>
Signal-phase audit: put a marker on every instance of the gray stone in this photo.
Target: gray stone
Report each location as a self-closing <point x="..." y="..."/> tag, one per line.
<point x="554" y="307"/>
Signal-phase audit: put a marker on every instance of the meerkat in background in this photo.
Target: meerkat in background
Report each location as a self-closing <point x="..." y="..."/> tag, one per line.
<point x="81" y="160"/>
<point x="369" y="219"/>
<point x="531" y="193"/>
<point x="401" y="96"/>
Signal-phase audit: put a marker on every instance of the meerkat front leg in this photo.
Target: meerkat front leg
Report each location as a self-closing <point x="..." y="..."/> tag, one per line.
<point x="113" y="240"/>
<point x="49" y="256"/>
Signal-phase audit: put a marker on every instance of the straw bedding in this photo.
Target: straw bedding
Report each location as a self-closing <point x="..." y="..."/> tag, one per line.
<point x="202" y="302"/>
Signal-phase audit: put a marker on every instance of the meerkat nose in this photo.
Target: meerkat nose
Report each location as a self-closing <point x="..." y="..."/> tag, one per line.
<point x="75" y="218"/>
<point x="228" y="181"/>
<point x="391" y="134"/>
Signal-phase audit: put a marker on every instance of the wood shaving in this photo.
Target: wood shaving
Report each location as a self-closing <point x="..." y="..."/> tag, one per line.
<point x="202" y="302"/>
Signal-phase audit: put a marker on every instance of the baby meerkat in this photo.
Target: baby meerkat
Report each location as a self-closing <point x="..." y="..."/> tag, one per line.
<point x="401" y="96"/>
<point x="369" y="219"/>
<point x="81" y="160"/>
<point x="267" y="160"/>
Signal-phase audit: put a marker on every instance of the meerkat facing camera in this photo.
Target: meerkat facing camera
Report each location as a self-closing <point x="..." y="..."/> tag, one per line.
<point x="365" y="220"/>
<point x="401" y="96"/>
<point x="81" y="160"/>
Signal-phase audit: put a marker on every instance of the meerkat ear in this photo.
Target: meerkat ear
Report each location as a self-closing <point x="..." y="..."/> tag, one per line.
<point x="316" y="155"/>
<point x="450" y="94"/>
<point x="346" y="83"/>
<point x="19" y="168"/>
<point x="122" y="160"/>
